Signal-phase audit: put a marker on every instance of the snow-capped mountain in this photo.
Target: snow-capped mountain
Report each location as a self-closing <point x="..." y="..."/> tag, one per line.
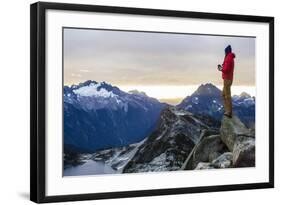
<point x="207" y="100"/>
<point x="244" y="107"/>
<point x="244" y="99"/>
<point x="99" y="116"/>
<point x="168" y="146"/>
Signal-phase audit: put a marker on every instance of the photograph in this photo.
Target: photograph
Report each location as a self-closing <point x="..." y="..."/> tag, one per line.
<point x="145" y="101"/>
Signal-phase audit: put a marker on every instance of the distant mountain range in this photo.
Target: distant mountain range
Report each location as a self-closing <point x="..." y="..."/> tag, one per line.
<point x="207" y="100"/>
<point x="99" y="116"/>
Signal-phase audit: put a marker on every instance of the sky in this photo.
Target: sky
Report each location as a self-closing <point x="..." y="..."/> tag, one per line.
<point x="165" y="65"/>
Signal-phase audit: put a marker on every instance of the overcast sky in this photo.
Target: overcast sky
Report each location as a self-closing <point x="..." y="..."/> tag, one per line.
<point x="145" y="58"/>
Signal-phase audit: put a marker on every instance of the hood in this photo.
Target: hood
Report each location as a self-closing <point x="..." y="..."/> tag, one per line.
<point x="228" y="50"/>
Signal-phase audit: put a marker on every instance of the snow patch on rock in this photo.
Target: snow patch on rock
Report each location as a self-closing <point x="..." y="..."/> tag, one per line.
<point x="195" y="100"/>
<point x="92" y="90"/>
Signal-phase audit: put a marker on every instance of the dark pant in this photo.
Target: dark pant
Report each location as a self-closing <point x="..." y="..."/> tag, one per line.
<point x="226" y="95"/>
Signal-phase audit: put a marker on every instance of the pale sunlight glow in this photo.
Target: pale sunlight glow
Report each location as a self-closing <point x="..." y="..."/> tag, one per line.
<point x="182" y="91"/>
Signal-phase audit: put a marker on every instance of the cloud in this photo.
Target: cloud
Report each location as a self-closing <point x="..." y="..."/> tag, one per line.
<point x="85" y="71"/>
<point x="121" y="57"/>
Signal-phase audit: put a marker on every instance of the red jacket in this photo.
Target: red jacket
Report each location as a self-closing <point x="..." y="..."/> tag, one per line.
<point x="228" y="67"/>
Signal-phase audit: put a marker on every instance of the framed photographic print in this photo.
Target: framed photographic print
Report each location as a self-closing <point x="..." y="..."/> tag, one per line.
<point x="129" y="102"/>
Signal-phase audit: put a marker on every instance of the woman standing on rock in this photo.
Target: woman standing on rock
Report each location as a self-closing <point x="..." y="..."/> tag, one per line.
<point x="227" y="69"/>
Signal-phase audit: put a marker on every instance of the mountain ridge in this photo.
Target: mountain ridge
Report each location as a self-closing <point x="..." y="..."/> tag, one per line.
<point x="99" y="115"/>
<point x="207" y="100"/>
<point x="93" y="100"/>
<point x="132" y="132"/>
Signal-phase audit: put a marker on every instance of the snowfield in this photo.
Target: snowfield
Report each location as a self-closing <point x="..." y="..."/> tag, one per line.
<point x="94" y="91"/>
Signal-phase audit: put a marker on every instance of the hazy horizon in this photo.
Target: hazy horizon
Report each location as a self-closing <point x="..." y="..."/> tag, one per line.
<point x="164" y="66"/>
<point x="174" y="94"/>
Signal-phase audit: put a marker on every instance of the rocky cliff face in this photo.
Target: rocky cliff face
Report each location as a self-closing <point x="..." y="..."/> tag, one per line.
<point x="166" y="149"/>
<point x="233" y="147"/>
<point x="182" y="141"/>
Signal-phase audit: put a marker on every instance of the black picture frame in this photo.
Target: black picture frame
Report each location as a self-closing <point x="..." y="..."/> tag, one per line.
<point x="38" y="100"/>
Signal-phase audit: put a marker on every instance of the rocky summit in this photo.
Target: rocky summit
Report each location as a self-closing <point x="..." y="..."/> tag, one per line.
<point x="166" y="149"/>
<point x="233" y="147"/>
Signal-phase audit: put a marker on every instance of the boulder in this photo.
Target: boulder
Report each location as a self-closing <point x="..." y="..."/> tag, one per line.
<point x="223" y="161"/>
<point x="208" y="149"/>
<point x="230" y="129"/>
<point x="188" y="165"/>
<point x="234" y="147"/>
<point x="203" y="165"/>
<point x="244" y="152"/>
<point x="239" y="140"/>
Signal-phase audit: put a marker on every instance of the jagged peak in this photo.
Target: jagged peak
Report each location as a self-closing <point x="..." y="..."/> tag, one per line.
<point x="95" y="85"/>
<point x="87" y="83"/>
<point x="245" y="95"/>
<point x="207" y="85"/>
<point x="137" y="92"/>
<point x="207" y="89"/>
